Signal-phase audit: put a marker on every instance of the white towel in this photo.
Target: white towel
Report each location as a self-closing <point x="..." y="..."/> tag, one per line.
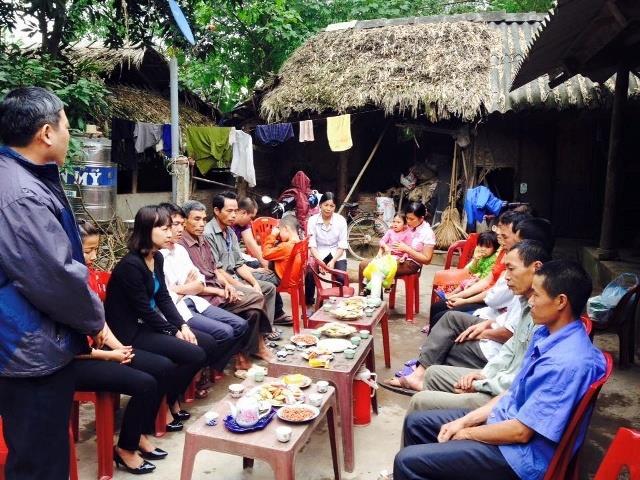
<point x="306" y="131"/>
<point x="242" y="162"/>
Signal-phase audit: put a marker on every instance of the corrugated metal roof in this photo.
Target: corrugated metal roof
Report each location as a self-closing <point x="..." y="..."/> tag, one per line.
<point x="517" y="31"/>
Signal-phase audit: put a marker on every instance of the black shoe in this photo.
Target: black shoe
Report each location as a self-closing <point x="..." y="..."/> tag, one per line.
<point x="146" y="467"/>
<point x="182" y="415"/>
<point x="155" y="454"/>
<point x="174" y="426"/>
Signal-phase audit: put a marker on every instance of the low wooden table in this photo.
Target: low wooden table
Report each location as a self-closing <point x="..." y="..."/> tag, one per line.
<point x="341" y="374"/>
<point x="380" y="316"/>
<point x="261" y="444"/>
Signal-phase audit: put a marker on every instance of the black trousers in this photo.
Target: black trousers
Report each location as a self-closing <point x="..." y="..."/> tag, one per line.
<point x="439" y="308"/>
<point x="138" y="380"/>
<point x="35" y="415"/>
<point x="228" y="331"/>
<point x="424" y="458"/>
<point x="309" y="284"/>
<point x="186" y="357"/>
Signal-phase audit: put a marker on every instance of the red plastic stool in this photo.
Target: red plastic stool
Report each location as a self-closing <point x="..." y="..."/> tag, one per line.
<point x="161" y="418"/>
<point x="412" y="291"/>
<point x="104" y="412"/>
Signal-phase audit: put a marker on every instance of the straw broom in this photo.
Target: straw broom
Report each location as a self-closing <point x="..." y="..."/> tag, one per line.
<point x="450" y="229"/>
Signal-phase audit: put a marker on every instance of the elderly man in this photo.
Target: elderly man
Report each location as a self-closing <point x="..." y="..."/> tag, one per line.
<point x="515" y="435"/>
<point x="241" y="300"/>
<point x="228" y="257"/>
<point x="46" y="305"/>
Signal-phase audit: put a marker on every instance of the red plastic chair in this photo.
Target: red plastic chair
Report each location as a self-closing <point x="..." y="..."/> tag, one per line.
<point x="622" y="322"/>
<point x="261" y="227"/>
<point x="464" y="249"/>
<point x="73" y="463"/>
<point x="319" y="269"/>
<point x="588" y="324"/>
<point x="161" y="418"/>
<point x="623" y="457"/>
<point x="104" y="403"/>
<point x="412" y="294"/>
<point x="564" y="464"/>
<point x="292" y="282"/>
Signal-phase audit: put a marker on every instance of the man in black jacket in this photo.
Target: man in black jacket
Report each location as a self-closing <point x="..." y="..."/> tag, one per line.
<point x="46" y="305"/>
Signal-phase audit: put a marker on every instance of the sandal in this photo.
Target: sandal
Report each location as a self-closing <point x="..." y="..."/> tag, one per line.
<point x="273" y="336"/>
<point x="425" y="329"/>
<point x="403" y="388"/>
<point x="408" y="368"/>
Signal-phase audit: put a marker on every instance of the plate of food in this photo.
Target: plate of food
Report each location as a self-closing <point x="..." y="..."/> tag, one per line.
<point x="304" y="340"/>
<point x="347" y="313"/>
<point x="337" y="330"/>
<point x="334" y="345"/>
<point x="296" y="380"/>
<point x="298" y="413"/>
<point x="278" y="394"/>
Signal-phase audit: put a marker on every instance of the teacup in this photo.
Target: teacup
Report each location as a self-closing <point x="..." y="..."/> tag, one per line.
<point x="236" y="389"/>
<point x="291" y="347"/>
<point x="349" y="353"/>
<point x="356" y="340"/>
<point x="364" y="333"/>
<point x="322" y="386"/>
<point x="211" y="418"/>
<point x="283" y="434"/>
<point x="315" y="399"/>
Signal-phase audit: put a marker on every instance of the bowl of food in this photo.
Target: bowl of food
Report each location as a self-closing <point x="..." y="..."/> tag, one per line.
<point x="298" y="413"/>
<point x="337" y="330"/>
<point x="304" y="340"/>
<point x="277" y="394"/>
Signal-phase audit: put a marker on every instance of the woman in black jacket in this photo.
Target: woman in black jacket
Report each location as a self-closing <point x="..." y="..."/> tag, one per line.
<point x="140" y="311"/>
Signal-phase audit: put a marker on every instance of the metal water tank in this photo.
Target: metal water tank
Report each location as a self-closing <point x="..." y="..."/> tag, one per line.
<point x="93" y="181"/>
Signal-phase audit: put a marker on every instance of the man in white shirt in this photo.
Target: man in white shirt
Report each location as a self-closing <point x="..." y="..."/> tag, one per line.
<point x="185" y="282"/>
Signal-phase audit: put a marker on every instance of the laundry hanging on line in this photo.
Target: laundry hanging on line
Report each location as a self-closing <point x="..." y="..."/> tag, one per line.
<point x="274" y="133"/>
<point x="242" y="162"/>
<point x="339" y="133"/>
<point x="306" y="131"/>
<point x="123" y="151"/>
<point x="209" y="147"/>
<point x="146" y="135"/>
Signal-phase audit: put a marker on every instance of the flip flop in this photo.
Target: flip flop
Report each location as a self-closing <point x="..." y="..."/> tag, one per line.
<point x="408" y="368"/>
<point x="403" y="389"/>
<point x="273" y="336"/>
<point x="425" y="329"/>
<point x="284" y="320"/>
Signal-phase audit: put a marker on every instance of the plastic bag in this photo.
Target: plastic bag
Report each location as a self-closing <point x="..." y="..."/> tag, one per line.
<point x="380" y="273"/>
<point x="600" y="307"/>
<point x="386" y="208"/>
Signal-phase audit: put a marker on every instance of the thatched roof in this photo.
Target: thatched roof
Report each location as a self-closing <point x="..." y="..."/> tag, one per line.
<point x="146" y="106"/>
<point x="457" y="66"/>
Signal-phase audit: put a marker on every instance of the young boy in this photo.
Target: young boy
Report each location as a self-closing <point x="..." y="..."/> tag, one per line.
<point x="278" y="245"/>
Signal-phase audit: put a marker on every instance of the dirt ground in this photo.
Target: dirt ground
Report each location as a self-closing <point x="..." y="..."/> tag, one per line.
<point x="377" y="443"/>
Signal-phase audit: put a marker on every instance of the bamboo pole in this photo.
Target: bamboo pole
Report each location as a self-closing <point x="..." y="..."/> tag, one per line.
<point x="364" y="167"/>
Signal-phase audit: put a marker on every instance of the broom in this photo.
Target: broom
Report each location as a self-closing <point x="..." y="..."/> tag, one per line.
<point x="450" y="230"/>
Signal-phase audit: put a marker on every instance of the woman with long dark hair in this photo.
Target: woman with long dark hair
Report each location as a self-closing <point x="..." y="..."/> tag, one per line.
<point x="141" y="313"/>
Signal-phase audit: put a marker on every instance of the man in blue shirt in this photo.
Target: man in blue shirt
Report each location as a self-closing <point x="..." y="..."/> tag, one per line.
<point x="515" y="434"/>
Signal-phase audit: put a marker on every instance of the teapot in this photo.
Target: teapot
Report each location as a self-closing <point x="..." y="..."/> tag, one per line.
<point x="246" y="412"/>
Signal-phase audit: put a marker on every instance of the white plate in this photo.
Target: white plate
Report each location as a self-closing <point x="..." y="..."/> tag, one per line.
<point x="283" y="411"/>
<point x="334" y="345"/>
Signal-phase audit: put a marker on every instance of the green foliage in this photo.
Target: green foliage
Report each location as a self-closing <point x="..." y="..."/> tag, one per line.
<point x="515" y="6"/>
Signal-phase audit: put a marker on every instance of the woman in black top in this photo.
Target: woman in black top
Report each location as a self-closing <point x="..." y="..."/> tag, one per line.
<point x="140" y="311"/>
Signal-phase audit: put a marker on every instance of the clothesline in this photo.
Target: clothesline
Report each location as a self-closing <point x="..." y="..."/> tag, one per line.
<point x="316" y="119"/>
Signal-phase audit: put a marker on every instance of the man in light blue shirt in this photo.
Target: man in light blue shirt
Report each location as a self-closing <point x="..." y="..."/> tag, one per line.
<point x="515" y="435"/>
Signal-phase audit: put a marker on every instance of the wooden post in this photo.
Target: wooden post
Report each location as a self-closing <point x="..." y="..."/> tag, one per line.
<point x="607" y="248"/>
<point x="343" y="175"/>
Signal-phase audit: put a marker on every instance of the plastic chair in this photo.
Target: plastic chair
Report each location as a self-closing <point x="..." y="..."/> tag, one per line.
<point x="447" y="280"/>
<point x="564" y="464"/>
<point x="464" y="249"/>
<point x="412" y="294"/>
<point x="339" y="289"/>
<point x="292" y="282"/>
<point x="98" y="282"/>
<point x="161" y="419"/>
<point x="104" y="413"/>
<point x="262" y="226"/>
<point x="623" y="455"/>
<point x="622" y="322"/>
<point x="73" y="463"/>
<point x="588" y="324"/>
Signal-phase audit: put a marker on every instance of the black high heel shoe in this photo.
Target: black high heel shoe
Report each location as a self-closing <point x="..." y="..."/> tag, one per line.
<point x="146" y="467"/>
<point x="182" y="415"/>
<point x="175" y="425"/>
<point x="155" y="454"/>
